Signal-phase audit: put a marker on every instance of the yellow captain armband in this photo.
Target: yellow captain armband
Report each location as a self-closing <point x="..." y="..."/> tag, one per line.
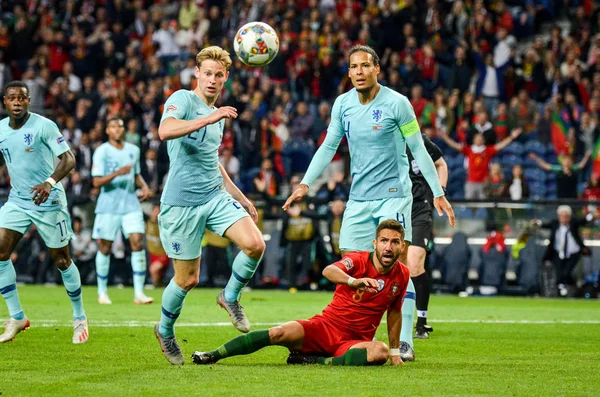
<point x="410" y="128"/>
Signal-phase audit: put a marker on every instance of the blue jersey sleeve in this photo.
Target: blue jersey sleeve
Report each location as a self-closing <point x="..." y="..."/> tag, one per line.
<point x="98" y="162"/>
<point x="54" y="139"/>
<point x="176" y="106"/>
<point x="323" y="156"/>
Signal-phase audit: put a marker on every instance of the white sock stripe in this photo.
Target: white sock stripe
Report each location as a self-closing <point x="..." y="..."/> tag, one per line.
<point x="422" y="313"/>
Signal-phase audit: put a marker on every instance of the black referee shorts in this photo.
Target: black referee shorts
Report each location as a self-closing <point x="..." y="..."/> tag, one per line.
<point x="422" y="224"/>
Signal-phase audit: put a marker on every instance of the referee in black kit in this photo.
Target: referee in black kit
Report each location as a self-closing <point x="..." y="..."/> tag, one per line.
<point x="422" y="225"/>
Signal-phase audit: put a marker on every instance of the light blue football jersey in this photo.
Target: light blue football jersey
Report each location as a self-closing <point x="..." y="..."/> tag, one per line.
<point x="118" y="196"/>
<point x="379" y="164"/>
<point x="194" y="177"/>
<point x="29" y="153"/>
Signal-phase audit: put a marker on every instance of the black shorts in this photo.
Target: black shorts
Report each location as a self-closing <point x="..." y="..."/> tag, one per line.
<point x="422" y="224"/>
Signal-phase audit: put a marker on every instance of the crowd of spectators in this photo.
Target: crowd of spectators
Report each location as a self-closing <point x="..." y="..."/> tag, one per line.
<point x="475" y="71"/>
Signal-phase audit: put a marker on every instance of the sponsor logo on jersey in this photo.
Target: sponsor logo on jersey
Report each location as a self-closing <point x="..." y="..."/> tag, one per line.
<point x="60" y="139"/>
<point x="171" y="108"/>
<point x="381" y="284"/>
<point x="28" y="139"/>
<point x="377" y="113"/>
<point x="348" y="263"/>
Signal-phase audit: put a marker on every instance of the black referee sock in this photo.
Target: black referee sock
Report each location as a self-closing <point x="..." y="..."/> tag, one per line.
<point x="422" y="289"/>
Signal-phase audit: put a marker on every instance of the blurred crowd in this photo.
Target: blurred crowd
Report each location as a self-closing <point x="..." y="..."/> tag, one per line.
<point x="475" y="71"/>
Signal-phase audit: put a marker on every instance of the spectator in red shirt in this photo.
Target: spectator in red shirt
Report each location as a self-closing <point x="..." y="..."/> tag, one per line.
<point x="479" y="156"/>
<point x="417" y="100"/>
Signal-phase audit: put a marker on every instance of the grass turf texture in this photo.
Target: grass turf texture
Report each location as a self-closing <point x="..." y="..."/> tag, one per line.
<point x="476" y="349"/>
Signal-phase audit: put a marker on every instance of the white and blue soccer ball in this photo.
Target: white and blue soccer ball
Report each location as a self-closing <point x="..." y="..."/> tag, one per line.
<point x="256" y="44"/>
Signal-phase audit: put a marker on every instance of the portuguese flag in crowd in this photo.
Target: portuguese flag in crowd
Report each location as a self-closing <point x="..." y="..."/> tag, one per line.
<point x="559" y="135"/>
<point x="501" y="126"/>
<point x="428" y="116"/>
<point x="596" y="157"/>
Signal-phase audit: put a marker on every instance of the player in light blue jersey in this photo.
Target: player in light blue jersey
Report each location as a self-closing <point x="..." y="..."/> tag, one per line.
<point x="116" y="169"/>
<point x="379" y="124"/>
<point x="29" y="144"/>
<point x="198" y="194"/>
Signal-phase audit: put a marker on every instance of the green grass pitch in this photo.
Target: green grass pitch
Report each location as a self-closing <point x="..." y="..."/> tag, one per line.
<point x="481" y="346"/>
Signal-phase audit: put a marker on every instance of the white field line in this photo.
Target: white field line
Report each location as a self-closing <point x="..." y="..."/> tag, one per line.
<point x="134" y="323"/>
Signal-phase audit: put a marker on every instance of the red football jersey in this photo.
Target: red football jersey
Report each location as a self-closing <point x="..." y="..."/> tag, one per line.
<point x="358" y="313"/>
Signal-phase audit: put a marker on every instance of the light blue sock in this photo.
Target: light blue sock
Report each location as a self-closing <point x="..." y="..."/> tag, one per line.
<point x="138" y="264"/>
<point x="8" y="289"/>
<point x="72" y="282"/>
<point x="172" y="302"/>
<point x="241" y="272"/>
<point x="102" y="267"/>
<point x="408" y="314"/>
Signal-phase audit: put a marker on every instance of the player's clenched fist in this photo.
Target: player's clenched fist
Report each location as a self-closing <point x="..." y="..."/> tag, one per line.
<point x="225" y="112"/>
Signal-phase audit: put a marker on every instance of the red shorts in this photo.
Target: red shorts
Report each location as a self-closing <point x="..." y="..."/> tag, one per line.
<point x="163" y="259"/>
<point x="322" y="338"/>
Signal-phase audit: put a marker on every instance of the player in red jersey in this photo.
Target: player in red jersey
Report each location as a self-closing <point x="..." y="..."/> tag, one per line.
<point x="369" y="284"/>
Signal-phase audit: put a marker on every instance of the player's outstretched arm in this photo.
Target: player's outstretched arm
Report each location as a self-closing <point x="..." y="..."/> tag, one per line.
<point x="507" y="141"/>
<point x="238" y="195"/>
<point x="338" y="276"/>
<point x="65" y="165"/>
<point x="428" y="169"/>
<point x="394" y="325"/>
<point x="172" y="128"/>
<point x="323" y="156"/>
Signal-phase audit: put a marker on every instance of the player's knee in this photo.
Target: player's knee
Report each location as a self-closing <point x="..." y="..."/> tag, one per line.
<point x="276" y="335"/>
<point x="105" y="249"/>
<point x="378" y="354"/>
<point x="255" y="248"/>
<point x="62" y="262"/>
<point x="191" y="281"/>
<point x="4" y="254"/>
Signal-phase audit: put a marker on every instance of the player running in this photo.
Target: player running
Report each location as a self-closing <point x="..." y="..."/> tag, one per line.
<point x="369" y="284"/>
<point x="199" y="194"/>
<point x="379" y="124"/>
<point x="29" y="143"/>
<point x="116" y="169"/>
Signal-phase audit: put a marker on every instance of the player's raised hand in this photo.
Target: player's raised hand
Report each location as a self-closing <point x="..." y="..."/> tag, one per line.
<point x="40" y="193"/>
<point x="366" y="284"/>
<point x="296" y="195"/>
<point x="125" y="170"/>
<point x="225" y="112"/>
<point x="442" y="205"/>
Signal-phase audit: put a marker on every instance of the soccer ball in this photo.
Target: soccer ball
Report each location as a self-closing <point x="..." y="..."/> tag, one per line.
<point x="256" y="44"/>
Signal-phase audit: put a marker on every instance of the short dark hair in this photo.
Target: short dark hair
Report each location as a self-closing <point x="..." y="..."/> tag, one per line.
<point x="368" y="50"/>
<point x="391" y="224"/>
<point x="16" y="84"/>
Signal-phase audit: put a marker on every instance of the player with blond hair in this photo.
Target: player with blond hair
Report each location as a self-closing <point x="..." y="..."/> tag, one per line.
<point x="198" y="194"/>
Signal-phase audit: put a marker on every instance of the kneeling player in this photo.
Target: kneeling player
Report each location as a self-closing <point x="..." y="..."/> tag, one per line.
<point x="369" y="283"/>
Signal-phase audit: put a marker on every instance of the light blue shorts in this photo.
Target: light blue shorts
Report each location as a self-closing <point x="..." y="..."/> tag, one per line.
<point x="53" y="226"/>
<point x="106" y="226"/>
<point x="361" y="219"/>
<point x="182" y="228"/>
